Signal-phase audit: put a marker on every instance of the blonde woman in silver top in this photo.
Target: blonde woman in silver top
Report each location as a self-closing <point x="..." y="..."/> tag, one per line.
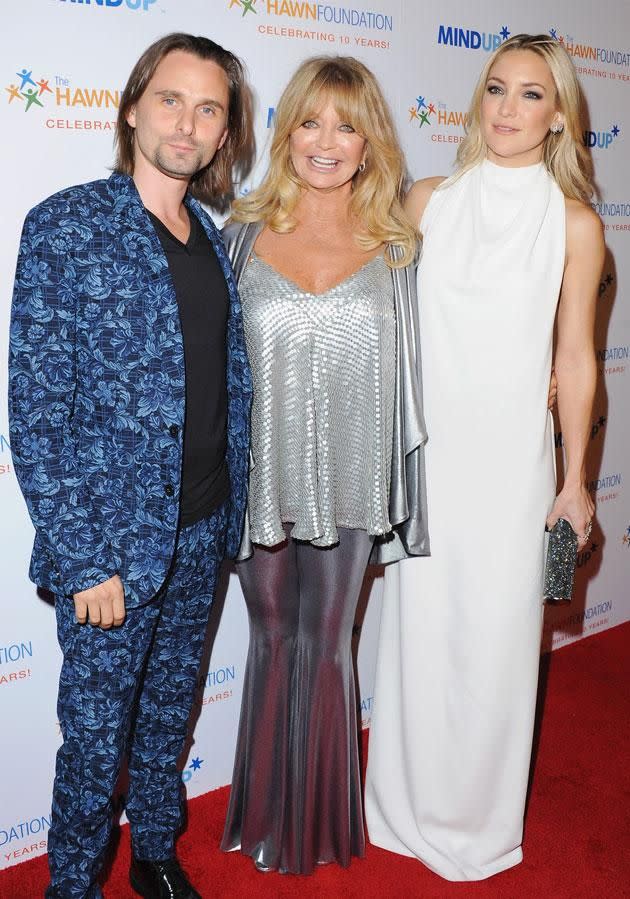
<point x="323" y="254"/>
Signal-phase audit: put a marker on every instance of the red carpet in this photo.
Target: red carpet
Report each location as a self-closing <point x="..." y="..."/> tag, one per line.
<point x="577" y="840"/>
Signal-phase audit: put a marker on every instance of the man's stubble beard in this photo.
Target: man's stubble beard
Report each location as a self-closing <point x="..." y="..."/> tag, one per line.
<point x="179" y="168"/>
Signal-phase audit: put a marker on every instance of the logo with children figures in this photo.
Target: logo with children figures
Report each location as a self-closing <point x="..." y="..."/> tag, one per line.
<point x="583" y="51"/>
<point x="431" y="116"/>
<point x="421" y="110"/>
<point x="324" y="14"/>
<point x="27" y="91"/>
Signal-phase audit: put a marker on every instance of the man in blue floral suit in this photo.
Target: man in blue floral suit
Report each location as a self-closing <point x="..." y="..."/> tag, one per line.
<point x="129" y="404"/>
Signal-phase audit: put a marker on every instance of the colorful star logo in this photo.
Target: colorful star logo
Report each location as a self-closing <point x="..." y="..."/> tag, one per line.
<point x="505" y="33"/>
<point x="615" y="130"/>
<point x="29" y="89"/>
<point x="245" y="5"/>
<point x="421" y="111"/>
<point x="196" y="764"/>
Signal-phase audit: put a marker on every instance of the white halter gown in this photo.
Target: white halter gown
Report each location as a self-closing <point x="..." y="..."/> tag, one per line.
<point x="457" y="669"/>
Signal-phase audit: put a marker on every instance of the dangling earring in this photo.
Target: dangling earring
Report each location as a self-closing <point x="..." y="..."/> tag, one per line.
<point x="362" y="167"/>
<point x="557" y="128"/>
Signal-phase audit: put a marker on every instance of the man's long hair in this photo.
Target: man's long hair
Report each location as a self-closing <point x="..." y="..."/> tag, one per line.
<point x="214" y="183"/>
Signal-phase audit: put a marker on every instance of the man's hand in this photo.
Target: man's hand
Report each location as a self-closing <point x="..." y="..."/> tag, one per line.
<point x="103" y="605"/>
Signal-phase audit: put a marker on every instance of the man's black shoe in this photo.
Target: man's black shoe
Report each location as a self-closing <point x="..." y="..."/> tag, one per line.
<point x="160" y="880"/>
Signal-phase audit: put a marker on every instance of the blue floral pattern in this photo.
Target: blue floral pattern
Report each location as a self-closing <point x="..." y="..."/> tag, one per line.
<point x="96" y="373"/>
<point x="159" y="646"/>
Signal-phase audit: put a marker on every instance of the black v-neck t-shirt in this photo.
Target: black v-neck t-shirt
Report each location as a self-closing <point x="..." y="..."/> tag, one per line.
<point x="203" y="301"/>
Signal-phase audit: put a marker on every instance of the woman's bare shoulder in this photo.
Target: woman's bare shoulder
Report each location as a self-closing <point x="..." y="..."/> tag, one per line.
<point x="418" y="197"/>
<point x="584" y="227"/>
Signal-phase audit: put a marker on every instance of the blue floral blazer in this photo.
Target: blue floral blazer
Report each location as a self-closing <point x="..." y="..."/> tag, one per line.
<point x="97" y="391"/>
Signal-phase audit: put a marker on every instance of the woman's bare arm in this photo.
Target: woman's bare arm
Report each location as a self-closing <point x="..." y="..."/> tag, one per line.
<point x="575" y="358"/>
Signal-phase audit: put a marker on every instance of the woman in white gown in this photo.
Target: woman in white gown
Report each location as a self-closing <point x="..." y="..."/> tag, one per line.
<point x="509" y="245"/>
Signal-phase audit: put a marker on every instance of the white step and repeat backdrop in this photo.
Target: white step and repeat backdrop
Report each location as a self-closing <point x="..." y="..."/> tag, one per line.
<point x="64" y="64"/>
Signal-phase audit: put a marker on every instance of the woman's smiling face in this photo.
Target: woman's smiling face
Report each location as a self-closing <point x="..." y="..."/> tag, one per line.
<point x="325" y="150"/>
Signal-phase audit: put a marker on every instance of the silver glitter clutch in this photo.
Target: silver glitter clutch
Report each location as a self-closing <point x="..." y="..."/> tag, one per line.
<point x="560" y="564"/>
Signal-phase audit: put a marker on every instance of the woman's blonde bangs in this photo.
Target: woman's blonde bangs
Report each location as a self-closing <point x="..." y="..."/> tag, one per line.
<point x="319" y="82"/>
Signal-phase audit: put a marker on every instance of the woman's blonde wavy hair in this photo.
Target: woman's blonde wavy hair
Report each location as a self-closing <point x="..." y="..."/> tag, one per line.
<point x="564" y="154"/>
<point x="376" y="192"/>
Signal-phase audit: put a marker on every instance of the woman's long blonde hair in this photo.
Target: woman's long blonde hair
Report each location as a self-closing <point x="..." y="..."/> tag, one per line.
<point x="376" y="192"/>
<point x="564" y="154"/>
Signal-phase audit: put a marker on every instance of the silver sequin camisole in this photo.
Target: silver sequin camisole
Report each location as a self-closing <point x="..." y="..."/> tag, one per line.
<point x="324" y="369"/>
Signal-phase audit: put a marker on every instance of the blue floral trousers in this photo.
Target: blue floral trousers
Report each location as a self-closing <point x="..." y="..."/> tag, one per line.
<point x="129" y="690"/>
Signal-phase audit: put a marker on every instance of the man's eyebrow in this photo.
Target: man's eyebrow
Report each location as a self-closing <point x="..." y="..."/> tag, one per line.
<point x="178" y="94"/>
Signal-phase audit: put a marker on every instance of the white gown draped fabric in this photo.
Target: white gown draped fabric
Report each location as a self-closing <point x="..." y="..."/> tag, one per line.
<point x="457" y="669"/>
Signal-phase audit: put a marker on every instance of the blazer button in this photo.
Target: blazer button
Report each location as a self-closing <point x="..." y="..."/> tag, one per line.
<point x="173" y="430"/>
<point x="169" y="489"/>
